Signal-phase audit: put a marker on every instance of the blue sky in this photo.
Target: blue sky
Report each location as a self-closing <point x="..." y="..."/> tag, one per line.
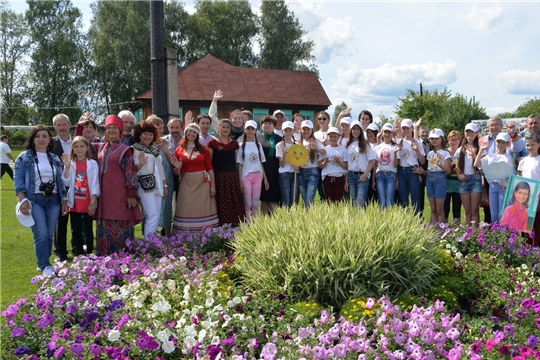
<point x="369" y="53"/>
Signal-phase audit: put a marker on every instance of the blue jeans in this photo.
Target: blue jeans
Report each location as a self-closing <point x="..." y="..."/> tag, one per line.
<point x="409" y="184"/>
<point x="496" y="198"/>
<point x="386" y="187"/>
<point x="308" y="180"/>
<point x="45" y="211"/>
<point x="286" y="185"/>
<point x="358" y="190"/>
<point x="436" y="184"/>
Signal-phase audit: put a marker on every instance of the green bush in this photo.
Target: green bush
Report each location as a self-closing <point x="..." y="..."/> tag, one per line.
<point x="331" y="253"/>
<point x="17" y="138"/>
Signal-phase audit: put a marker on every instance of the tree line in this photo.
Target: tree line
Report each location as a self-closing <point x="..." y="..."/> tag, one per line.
<point x="49" y="64"/>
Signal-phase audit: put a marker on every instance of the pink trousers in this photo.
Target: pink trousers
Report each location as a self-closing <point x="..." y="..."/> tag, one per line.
<point x="252" y="193"/>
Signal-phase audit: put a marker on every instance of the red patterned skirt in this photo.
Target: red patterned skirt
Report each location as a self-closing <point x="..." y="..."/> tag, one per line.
<point x="229" y="198"/>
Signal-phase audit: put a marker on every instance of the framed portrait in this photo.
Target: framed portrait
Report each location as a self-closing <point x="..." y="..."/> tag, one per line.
<point x="520" y="203"/>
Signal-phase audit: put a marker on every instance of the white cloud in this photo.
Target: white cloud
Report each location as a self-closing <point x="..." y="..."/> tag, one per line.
<point x="483" y="19"/>
<point x="329" y="34"/>
<point x="391" y="81"/>
<point x="495" y="110"/>
<point x="520" y="82"/>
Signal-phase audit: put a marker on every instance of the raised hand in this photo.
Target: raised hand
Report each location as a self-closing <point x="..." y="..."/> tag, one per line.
<point x="142" y="159"/>
<point x="218" y="94"/>
<point x="65" y="160"/>
<point x="346" y="111"/>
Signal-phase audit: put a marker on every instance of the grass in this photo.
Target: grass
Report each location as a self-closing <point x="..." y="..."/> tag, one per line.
<point x="17" y="259"/>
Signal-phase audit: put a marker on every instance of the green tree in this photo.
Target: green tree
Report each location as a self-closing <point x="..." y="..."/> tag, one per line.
<point x="176" y="30"/>
<point x="383" y="119"/>
<point x="337" y="110"/>
<point x="14" y="48"/>
<point x="55" y="68"/>
<point x="439" y="109"/>
<point x="225" y="29"/>
<point x="531" y="106"/>
<point x="282" y="46"/>
<point x="120" y="41"/>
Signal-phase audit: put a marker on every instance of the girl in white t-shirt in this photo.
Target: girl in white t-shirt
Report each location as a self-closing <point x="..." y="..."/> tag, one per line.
<point x="360" y="161"/>
<point x="250" y="169"/>
<point x="409" y="153"/>
<point x="308" y="179"/>
<point x="286" y="170"/>
<point x="385" y="169"/>
<point x="497" y="188"/>
<point x="470" y="185"/>
<point x="334" y="167"/>
<point x="439" y="164"/>
<point x="529" y="166"/>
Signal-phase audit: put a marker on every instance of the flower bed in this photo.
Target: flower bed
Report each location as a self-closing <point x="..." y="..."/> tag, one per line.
<point x="178" y="297"/>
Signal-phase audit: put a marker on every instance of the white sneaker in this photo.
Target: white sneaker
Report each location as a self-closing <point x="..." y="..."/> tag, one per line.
<point x="48" y="272"/>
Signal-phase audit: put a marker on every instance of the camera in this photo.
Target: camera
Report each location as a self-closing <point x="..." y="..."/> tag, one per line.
<point x="47" y="188"/>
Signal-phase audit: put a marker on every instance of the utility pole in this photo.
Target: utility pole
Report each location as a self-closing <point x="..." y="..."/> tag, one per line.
<point x="159" y="60"/>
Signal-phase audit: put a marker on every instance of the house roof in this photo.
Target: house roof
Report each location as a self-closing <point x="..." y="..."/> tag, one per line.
<point x="198" y="81"/>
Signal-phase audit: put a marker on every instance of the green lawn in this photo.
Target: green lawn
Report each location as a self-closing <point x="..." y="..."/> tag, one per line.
<point x="17" y="260"/>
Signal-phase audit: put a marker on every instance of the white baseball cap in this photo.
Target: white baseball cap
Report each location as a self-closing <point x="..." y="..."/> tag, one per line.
<point x="307" y="123"/>
<point x="345" y="120"/>
<point x="472" y="127"/>
<point x="278" y="112"/>
<point x="373" y="127"/>
<point x="388" y="126"/>
<point x="25" y="220"/>
<point x="250" y="123"/>
<point x="287" y="125"/>
<point x="503" y="136"/>
<point x="356" y="122"/>
<point x="406" y="123"/>
<point x="332" y="130"/>
<point x="436" y="133"/>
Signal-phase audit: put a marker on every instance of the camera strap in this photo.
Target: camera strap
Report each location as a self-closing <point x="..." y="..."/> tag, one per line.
<point x="50" y="163"/>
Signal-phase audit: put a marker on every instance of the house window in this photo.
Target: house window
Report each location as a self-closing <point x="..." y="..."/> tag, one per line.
<point x="181" y="114"/>
<point x="308" y="114"/>
<point x="258" y="114"/>
<point x="288" y="115"/>
<point x="139" y="114"/>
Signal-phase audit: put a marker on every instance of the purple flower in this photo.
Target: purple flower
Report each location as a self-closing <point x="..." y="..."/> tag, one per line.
<point x="537" y="322"/>
<point x="17" y="332"/>
<point x="319" y="352"/>
<point x="509" y="329"/>
<point x="28" y="317"/>
<point x="525" y="351"/>
<point x="532" y="341"/>
<point x="228" y="342"/>
<point x="302" y="333"/>
<point x="370" y="303"/>
<point x="214" y="351"/>
<point x="22" y="351"/>
<point x="498" y="336"/>
<point x="76" y="348"/>
<point x="254" y="343"/>
<point x="61" y="351"/>
<point x="324" y="316"/>
<point x="340" y="350"/>
<point x="454" y="354"/>
<point x="142" y="343"/>
<point x="505" y="350"/>
<point x="95" y="349"/>
<point x="527" y="303"/>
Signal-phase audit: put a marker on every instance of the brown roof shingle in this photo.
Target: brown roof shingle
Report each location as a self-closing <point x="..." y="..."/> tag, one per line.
<point x="198" y="81"/>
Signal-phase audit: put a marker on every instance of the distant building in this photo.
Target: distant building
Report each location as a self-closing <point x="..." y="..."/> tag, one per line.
<point x="262" y="91"/>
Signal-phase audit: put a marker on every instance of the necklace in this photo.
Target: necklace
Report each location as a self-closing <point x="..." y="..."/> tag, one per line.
<point x="190" y="145"/>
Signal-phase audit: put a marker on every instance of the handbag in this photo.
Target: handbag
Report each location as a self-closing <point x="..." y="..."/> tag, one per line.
<point x="147" y="182"/>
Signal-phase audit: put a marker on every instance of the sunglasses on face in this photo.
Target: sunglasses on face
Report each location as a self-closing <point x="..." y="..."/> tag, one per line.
<point x="322" y="119"/>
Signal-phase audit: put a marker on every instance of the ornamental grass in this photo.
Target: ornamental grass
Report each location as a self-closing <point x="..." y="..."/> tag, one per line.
<point x="331" y="253"/>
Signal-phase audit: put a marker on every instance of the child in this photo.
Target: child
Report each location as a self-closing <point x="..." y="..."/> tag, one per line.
<point x="470" y="186"/>
<point x="515" y="215"/>
<point x="334" y="167"/>
<point x="308" y="181"/>
<point x="286" y="170"/>
<point x="410" y="152"/>
<point x="530" y="168"/>
<point x="385" y="170"/>
<point x="439" y="164"/>
<point x="360" y="161"/>
<point x="496" y="187"/>
<point x="81" y="176"/>
<point x="250" y="169"/>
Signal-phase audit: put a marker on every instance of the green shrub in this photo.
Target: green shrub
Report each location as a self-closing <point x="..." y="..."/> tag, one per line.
<point x="18" y="138"/>
<point x="331" y="253"/>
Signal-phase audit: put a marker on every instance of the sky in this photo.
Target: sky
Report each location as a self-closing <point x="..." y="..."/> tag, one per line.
<point x="369" y="53"/>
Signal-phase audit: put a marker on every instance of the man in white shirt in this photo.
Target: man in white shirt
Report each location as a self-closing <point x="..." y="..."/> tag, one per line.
<point x="5" y="156"/>
<point x="62" y="145"/>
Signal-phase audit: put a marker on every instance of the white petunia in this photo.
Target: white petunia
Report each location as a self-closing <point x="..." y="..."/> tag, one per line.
<point x="168" y="347"/>
<point x="215" y="340"/>
<point x="202" y="335"/>
<point x="209" y="302"/>
<point x="190" y="342"/>
<point x="114" y="335"/>
<point x="163" y="335"/>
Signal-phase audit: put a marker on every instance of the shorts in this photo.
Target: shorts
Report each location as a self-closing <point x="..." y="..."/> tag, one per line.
<point x="473" y="184"/>
<point x="436" y="184"/>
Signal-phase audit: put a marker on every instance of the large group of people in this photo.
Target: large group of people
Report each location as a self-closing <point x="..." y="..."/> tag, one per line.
<point x="134" y="174"/>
